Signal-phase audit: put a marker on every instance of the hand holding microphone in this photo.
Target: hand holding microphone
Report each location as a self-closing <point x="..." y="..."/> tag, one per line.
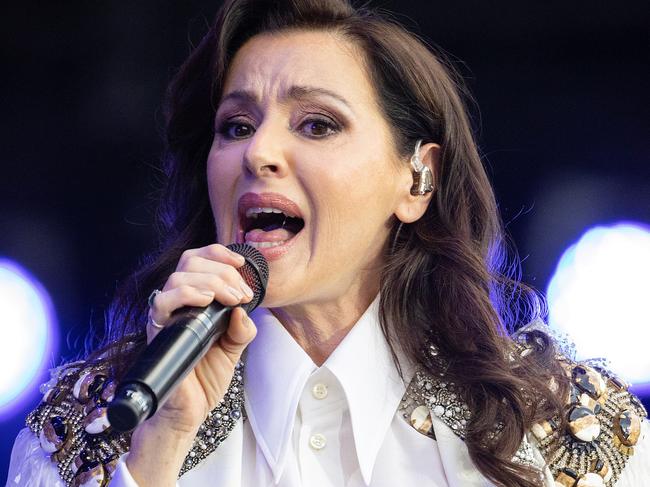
<point x="187" y="367"/>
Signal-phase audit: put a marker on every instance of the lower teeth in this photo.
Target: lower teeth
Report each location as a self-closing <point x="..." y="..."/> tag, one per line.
<point x="265" y="245"/>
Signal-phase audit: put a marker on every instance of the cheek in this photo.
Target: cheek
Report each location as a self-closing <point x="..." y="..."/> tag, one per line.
<point x="354" y="198"/>
<point x="222" y="173"/>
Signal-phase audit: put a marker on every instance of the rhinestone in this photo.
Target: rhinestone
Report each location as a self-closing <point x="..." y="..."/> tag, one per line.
<point x="627" y="426"/>
<point x="96" y="422"/>
<point x="93" y="476"/>
<point x="566" y="478"/>
<point x="421" y="420"/>
<point x="589" y="381"/>
<point x="583" y="424"/>
<point x="53" y="435"/>
<point x="590" y="480"/>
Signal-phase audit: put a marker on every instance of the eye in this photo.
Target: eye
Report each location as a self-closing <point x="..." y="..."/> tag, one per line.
<point x="234" y="129"/>
<point x="318" y="127"/>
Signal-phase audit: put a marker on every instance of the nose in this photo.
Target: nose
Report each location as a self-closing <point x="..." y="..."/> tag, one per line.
<point x="265" y="155"/>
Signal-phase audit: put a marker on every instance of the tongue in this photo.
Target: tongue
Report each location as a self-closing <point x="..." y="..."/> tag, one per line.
<point x="277" y="235"/>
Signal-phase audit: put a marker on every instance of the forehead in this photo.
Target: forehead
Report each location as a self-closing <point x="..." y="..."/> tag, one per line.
<point x="270" y="64"/>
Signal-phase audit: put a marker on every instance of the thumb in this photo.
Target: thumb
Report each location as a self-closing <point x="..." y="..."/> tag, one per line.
<point x="241" y="331"/>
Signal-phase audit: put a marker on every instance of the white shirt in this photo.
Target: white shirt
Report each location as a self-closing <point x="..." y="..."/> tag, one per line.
<point x="334" y="425"/>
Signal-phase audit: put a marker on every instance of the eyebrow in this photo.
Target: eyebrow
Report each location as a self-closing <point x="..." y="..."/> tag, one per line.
<point x="296" y="92"/>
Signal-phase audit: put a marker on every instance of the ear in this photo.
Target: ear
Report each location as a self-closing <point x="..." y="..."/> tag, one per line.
<point x="410" y="208"/>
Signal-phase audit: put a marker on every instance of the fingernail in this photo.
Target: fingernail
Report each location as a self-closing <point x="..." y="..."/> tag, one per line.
<point x="206" y="292"/>
<point x="245" y="320"/>
<point x="239" y="257"/>
<point x="247" y="290"/>
<point x="234" y="292"/>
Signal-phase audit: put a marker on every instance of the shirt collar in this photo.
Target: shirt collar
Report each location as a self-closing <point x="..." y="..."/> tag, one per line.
<point x="278" y="368"/>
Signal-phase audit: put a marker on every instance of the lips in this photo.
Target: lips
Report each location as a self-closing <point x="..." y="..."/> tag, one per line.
<point x="269" y="222"/>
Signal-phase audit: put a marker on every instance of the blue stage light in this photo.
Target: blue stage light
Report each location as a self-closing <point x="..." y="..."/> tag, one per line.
<point x="599" y="296"/>
<point x="27" y="333"/>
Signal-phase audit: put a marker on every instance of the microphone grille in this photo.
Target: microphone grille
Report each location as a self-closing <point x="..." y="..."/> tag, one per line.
<point x="255" y="272"/>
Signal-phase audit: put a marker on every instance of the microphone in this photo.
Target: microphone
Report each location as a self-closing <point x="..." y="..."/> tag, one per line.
<point x="176" y="349"/>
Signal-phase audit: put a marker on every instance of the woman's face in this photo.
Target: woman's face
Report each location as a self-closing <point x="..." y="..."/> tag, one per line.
<point x="303" y="166"/>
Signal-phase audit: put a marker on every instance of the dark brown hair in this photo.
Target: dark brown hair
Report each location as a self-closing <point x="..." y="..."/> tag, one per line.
<point x="446" y="282"/>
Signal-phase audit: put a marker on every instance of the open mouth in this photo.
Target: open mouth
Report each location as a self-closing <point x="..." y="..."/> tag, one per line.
<point x="268" y="220"/>
<point x="266" y="227"/>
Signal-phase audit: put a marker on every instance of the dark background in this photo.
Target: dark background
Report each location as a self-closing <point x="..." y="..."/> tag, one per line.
<point x="561" y="86"/>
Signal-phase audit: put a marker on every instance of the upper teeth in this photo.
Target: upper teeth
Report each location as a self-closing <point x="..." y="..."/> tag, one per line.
<point x="254" y="212"/>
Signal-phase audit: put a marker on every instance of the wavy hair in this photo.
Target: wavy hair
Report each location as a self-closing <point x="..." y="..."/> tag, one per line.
<point x="446" y="285"/>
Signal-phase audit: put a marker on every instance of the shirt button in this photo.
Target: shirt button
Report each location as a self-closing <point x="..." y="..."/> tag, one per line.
<point x="319" y="391"/>
<point x="317" y="441"/>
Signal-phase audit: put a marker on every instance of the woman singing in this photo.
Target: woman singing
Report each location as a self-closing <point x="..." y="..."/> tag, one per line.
<point x="337" y="144"/>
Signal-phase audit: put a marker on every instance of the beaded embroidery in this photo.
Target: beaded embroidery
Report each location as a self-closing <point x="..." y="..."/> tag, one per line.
<point x="604" y="418"/>
<point x="604" y="424"/>
<point x="71" y="424"/>
<point x="219" y="423"/>
<point x="443" y="400"/>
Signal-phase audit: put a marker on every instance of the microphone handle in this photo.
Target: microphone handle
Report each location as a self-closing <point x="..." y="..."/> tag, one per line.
<point x="165" y="362"/>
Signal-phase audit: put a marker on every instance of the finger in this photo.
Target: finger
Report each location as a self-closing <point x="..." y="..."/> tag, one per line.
<point x="165" y="303"/>
<point x="241" y="331"/>
<point x="152" y="328"/>
<point x="214" y="252"/>
<point x="223" y="275"/>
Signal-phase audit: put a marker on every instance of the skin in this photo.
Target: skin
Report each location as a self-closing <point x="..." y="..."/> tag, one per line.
<point x="334" y="156"/>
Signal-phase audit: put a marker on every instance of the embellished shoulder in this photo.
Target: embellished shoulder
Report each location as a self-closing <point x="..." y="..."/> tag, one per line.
<point x="72" y="427"/>
<point x="591" y="448"/>
<point x="603" y="421"/>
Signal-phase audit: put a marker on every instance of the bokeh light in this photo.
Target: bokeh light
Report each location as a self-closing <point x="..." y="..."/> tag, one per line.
<point x="27" y="333"/>
<point x="599" y="296"/>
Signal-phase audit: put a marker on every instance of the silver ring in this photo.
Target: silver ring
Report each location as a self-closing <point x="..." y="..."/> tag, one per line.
<point x="152" y="296"/>
<point x="152" y="322"/>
